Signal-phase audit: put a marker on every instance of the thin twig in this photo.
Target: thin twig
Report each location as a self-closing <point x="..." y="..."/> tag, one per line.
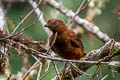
<point x="65" y="66"/>
<point x="105" y="77"/>
<point x="57" y="72"/>
<point x="36" y="59"/>
<point x="86" y="4"/>
<point x="77" y="12"/>
<point x="97" y="70"/>
<point x="20" y="23"/>
<point x="9" y="77"/>
<point x="48" y="65"/>
<point x="52" y="42"/>
<point x="51" y="46"/>
<point x="27" y="27"/>
<point x="48" y="71"/>
<point x="31" y="68"/>
<point x="80" y="72"/>
<point x="40" y="68"/>
<point x="72" y="75"/>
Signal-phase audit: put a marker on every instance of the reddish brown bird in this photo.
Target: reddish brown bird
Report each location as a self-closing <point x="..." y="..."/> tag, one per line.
<point x="67" y="45"/>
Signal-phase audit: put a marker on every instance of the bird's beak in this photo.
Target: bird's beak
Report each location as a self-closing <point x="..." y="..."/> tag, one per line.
<point x="46" y="25"/>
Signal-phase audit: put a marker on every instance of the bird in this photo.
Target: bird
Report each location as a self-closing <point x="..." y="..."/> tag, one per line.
<point x="67" y="45"/>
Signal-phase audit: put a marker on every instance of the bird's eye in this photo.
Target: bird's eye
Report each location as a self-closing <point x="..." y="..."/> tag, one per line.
<point x="56" y="23"/>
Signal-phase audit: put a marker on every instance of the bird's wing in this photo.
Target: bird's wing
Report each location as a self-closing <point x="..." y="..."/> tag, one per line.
<point x="75" y="41"/>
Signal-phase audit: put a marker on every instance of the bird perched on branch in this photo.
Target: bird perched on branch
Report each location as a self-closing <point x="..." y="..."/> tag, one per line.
<point x="67" y="44"/>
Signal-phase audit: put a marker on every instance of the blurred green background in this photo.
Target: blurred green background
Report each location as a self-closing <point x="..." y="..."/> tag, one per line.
<point x="108" y="22"/>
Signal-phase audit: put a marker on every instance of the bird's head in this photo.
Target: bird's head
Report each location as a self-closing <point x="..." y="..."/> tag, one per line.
<point x="56" y="25"/>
